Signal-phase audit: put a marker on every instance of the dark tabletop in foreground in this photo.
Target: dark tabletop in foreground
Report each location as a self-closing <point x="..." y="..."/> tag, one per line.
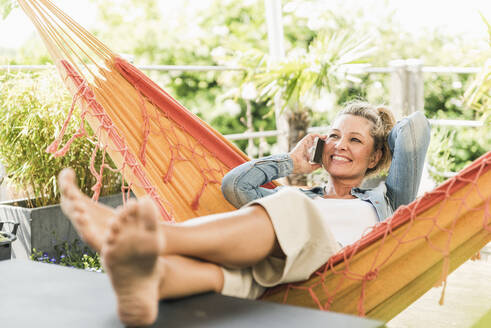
<point x="34" y="294"/>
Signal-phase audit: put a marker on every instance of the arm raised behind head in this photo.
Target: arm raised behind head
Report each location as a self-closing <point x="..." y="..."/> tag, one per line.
<point x="408" y="142"/>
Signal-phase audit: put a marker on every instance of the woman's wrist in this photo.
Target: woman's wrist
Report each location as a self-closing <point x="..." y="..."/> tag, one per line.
<point x="295" y="164"/>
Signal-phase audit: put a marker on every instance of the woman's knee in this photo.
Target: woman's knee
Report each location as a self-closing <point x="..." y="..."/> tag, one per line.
<point x="266" y="229"/>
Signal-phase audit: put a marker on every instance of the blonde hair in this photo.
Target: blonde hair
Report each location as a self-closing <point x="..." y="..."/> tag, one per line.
<point x="383" y="121"/>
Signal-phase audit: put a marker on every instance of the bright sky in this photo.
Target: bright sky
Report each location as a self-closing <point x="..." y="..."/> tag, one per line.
<point x="18" y="27"/>
<point x="452" y="16"/>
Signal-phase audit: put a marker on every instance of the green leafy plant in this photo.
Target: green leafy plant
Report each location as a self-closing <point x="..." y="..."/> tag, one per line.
<point x="440" y="158"/>
<point x="303" y="76"/>
<point x="32" y="110"/>
<point x="450" y="151"/>
<point x="72" y="255"/>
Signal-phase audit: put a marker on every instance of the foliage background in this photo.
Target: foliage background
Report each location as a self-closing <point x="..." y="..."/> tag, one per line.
<point x="33" y="108"/>
<point x="223" y="32"/>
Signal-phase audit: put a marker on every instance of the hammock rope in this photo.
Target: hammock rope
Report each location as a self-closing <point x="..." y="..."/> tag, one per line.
<point x="452" y="220"/>
<point x="166" y="152"/>
<point x="162" y="150"/>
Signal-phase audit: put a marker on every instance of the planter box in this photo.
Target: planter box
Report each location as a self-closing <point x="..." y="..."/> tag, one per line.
<point x="42" y="228"/>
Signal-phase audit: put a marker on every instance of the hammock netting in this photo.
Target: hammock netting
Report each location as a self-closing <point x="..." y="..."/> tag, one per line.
<point x="164" y="151"/>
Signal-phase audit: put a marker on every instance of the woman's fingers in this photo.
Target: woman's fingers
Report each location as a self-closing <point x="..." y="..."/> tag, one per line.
<point x="301" y="154"/>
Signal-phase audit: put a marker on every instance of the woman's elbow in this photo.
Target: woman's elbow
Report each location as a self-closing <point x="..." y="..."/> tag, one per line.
<point x="229" y="184"/>
<point x="423" y="128"/>
<point x="421" y="122"/>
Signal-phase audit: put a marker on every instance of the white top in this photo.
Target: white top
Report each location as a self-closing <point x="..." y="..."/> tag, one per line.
<point x="348" y="219"/>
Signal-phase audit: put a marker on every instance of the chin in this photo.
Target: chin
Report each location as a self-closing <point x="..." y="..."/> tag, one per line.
<point x="344" y="175"/>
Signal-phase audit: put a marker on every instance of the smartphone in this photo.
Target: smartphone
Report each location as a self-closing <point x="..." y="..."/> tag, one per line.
<point x="316" y="151"/>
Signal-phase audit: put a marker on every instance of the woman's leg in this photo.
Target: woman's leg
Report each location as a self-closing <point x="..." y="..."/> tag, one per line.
<point x="143" y="257"/>
<point x="235" y="239"/>
<point x="186" y="276"/>
<point x="238" y="238"/>
<point x="140" y="275"/>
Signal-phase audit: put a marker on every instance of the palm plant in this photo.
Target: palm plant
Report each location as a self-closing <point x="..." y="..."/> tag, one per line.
<point x="304" y="76"/>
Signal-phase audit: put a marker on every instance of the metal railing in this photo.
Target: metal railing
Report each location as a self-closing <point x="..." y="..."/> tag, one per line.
<point x="160" y="68"/>
<point x="408" y="67"/>
<point x="361" y="69"/>
<point x="319" y="129"/>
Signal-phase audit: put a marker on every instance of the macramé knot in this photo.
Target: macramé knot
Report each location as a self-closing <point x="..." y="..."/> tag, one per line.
<point x="371" y="275"/>
<point x="329" y="302"/>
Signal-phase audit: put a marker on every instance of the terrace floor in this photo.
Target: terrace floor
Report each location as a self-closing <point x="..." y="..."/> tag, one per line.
<point x="467" y="299"/>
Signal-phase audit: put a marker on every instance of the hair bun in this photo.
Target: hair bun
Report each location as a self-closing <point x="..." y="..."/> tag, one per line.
<point x="387" y="117"/>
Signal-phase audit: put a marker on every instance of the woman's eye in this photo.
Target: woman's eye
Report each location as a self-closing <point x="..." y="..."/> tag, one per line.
<point x="333" y="135"/>
<point x="355" y="140"/>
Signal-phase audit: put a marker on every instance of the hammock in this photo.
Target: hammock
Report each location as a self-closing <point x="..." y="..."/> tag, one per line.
<point x="166" y="152"/>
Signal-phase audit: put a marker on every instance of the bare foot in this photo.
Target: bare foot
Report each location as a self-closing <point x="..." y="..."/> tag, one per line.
<point x="90" y="219"/>
<point x="130" y="257"/>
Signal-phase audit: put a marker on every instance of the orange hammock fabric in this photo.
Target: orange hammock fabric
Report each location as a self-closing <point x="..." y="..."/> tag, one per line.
<point x="166" y="152"/>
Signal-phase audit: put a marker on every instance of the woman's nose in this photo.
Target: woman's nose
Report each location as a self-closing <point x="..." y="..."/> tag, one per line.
<point x="341" y="143"/>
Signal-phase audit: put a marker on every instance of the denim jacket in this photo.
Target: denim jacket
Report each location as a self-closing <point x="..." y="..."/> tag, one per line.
<point x="408" y="142"/>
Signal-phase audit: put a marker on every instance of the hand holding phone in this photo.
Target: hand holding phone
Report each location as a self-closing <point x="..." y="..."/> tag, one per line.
<point x="316" y="151"/>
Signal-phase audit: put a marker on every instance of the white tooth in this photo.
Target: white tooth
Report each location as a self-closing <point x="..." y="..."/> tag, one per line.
<point x="339" y="158"/>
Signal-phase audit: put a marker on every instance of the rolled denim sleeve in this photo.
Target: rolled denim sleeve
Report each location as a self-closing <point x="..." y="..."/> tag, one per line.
<point x="243" y="184"/>
<point x="408" y="142"/>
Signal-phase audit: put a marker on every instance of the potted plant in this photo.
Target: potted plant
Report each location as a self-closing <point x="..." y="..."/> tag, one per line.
<point x="32" y="110"/>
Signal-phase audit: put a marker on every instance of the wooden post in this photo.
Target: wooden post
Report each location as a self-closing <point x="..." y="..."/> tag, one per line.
<point x="406" y="87"/>
<point x="250" y="128"/>
<point x="277" y="52"/>
<point x="415" y="85"/>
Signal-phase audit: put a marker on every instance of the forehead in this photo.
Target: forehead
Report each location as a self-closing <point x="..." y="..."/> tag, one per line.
<point x="348" y="123"/>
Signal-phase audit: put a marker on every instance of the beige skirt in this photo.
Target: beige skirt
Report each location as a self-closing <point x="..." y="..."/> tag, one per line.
<point x="302" y="234"/>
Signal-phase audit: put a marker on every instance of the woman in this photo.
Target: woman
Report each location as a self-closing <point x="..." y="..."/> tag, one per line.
<point x="406" y="143"/>
<point x="276" y="239"/>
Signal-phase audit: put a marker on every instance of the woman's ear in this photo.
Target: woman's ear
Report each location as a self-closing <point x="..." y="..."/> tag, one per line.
<point x="375" y="158"/>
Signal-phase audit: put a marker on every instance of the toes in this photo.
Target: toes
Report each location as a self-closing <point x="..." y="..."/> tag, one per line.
<point x="125" y="216"/>
<point x="78" y="207"/>
<point x="111" y="238"/>
<point x="71" y="208"/>
<point x="113" y="231"/>
<point x="115" y="227"/>
<point x="129" y="212"/>
<point x="66" y="178"/>
<point x="134" y="217"/>
<point x="80" y="220"/>
<point x="132" y="207"/>
<point x="148" y="213"/>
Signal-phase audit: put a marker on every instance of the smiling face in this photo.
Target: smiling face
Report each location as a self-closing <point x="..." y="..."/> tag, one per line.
<point x="349" y="149"/>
